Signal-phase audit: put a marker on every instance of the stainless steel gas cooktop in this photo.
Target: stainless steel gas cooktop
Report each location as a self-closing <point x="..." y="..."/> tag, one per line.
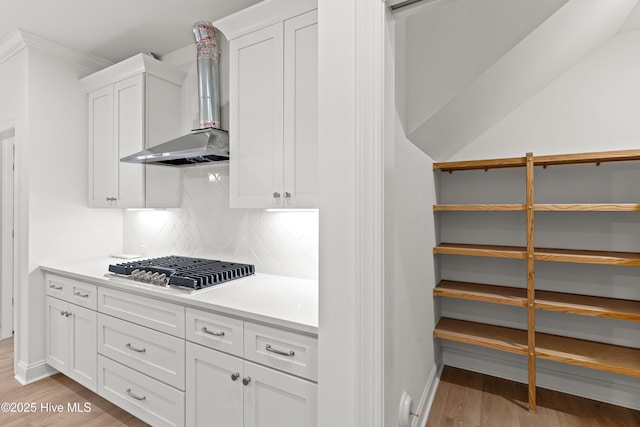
<point x="181" y="272"/>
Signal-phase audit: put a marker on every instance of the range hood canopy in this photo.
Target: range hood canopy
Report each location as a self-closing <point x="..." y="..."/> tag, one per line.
<point x="209" y="143"/>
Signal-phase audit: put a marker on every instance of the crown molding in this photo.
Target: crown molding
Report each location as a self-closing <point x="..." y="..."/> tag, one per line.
<point x="21" y="39"/>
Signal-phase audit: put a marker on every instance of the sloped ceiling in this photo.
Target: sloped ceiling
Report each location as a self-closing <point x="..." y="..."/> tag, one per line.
<point x="480" y="63"/>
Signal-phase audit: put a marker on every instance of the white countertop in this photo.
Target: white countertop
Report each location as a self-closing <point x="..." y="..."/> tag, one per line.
<point x="277" y="300"/>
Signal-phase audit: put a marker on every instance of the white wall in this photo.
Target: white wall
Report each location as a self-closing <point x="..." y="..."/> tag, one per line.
<point x="409" y="266"/>
<point x="42" y="96"/>
<point x="13" y="86"/>
<point x="280" y="242"/>
<point x="592" y="107"/>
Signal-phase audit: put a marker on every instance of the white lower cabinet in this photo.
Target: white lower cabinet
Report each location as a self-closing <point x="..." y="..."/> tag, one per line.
<point x="70" y="341"/>
<point x="150" y="400"/>
<point x="226" y="391"/>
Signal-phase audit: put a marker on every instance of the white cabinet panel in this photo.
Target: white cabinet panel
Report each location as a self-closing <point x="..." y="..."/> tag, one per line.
<point x="274" y="399"/>
<point x="82" y="346"/>
<point x="214" y="388"/>
<point x="218" y="332"/>
<point x="70" y="341"/>
<point x="153" y="353"/>
<point x="102" y="151"/>
<point x="256" y="117"/>
<point x="301" y="110"/>
<point x="129" y="113"/>
<point x="152" y="401"/>
<point x="57" y="334"/>
<point x="283" y="350"/>
<point x="155" y="314"/>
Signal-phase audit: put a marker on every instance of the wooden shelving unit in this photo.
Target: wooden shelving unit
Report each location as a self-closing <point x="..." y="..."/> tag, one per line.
<point x="530" y="343"/>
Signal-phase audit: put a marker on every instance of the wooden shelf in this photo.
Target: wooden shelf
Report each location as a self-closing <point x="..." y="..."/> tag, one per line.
<point x="540" y="207"/>
<point x="558" y="159"/>
<point x="589" y="354"/>
<point x="505" y="295"/>
<point x="514" y="162"/>
<point x="507" y="207"/>
<point x="588" y="207"/>
<point x="599" y="157"/>
<point x="586" y="305"/>
<point x="483" y="335"/>
<point x="493" y="251"/>
<point x="631" y="259"/>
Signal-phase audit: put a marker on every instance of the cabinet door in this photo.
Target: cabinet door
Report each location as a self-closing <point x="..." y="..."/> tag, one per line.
<point x="301" y="111"/>
<point x="57" y="337"/>
<point x="214" y="398"/>
<point x="256" y="118"/>
<point x="275" y="399"/>
<point x="163" y="105"/>
<point x="102" y="152"/>
<point x="129" y="116"/>
<point x="83" y="346"/>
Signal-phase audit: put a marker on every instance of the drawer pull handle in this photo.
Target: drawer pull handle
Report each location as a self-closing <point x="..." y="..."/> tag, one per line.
<point x="215" y="334"/>
<point x="57" y="288"/>
<point x="246" y="380"/>
<point x="139" y="350"/>
<point x="81" y="295"/>
<point x="134" y="396"/>
<point x="235" y="376"/>
<point x="280" y="352"/>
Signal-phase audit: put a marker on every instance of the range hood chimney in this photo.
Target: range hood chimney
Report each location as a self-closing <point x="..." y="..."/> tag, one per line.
<point x="208" y="143"/>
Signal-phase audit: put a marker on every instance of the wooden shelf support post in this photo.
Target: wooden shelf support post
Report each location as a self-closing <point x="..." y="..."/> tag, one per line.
<point x="531" y="311"/>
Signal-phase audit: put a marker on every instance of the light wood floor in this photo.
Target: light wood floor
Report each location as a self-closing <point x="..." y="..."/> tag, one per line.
<point x="469" y="399"/>
<point x="57" y="389"/>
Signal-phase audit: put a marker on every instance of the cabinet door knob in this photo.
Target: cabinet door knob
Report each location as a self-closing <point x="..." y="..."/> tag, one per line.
<point x="276" y="195"/>
<point x="246" y="380"/>
<point x="68" y="314"/>
<point x="235" y="376"/>
<point x="287" y="195"/>
<point x="62" y="313"/>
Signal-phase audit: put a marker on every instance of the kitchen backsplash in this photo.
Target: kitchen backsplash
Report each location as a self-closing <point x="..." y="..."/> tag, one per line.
<point x="277" y="242"/>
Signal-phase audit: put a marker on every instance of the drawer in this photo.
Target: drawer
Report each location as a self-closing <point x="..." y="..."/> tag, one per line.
<point x="152" y="401"/>
<point x="73" y="291"/>
<point x="287" y="351"/>
<point x="155" y="314"/>
<point x="215" y="331"/>
<point x="158" y="355"/>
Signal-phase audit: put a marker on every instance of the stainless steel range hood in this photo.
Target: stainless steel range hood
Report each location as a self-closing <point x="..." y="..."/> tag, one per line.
<point x="209" y="143"/>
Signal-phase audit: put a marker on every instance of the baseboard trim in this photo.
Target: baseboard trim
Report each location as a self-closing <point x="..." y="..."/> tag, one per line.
<point x="588" y="383"/>
<point x="428" y="394"/>
<point x="30" y="373"/>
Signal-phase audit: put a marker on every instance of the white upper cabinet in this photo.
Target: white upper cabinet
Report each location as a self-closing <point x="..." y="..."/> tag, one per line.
<point x="273" y="104"/>
<point x="133" y="105"/>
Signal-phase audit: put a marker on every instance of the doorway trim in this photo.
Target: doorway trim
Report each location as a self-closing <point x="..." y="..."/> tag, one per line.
<point x="7" y="215"/>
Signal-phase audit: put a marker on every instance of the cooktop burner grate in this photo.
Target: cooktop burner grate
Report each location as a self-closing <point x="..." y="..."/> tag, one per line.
<point x="195" y="273"/>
